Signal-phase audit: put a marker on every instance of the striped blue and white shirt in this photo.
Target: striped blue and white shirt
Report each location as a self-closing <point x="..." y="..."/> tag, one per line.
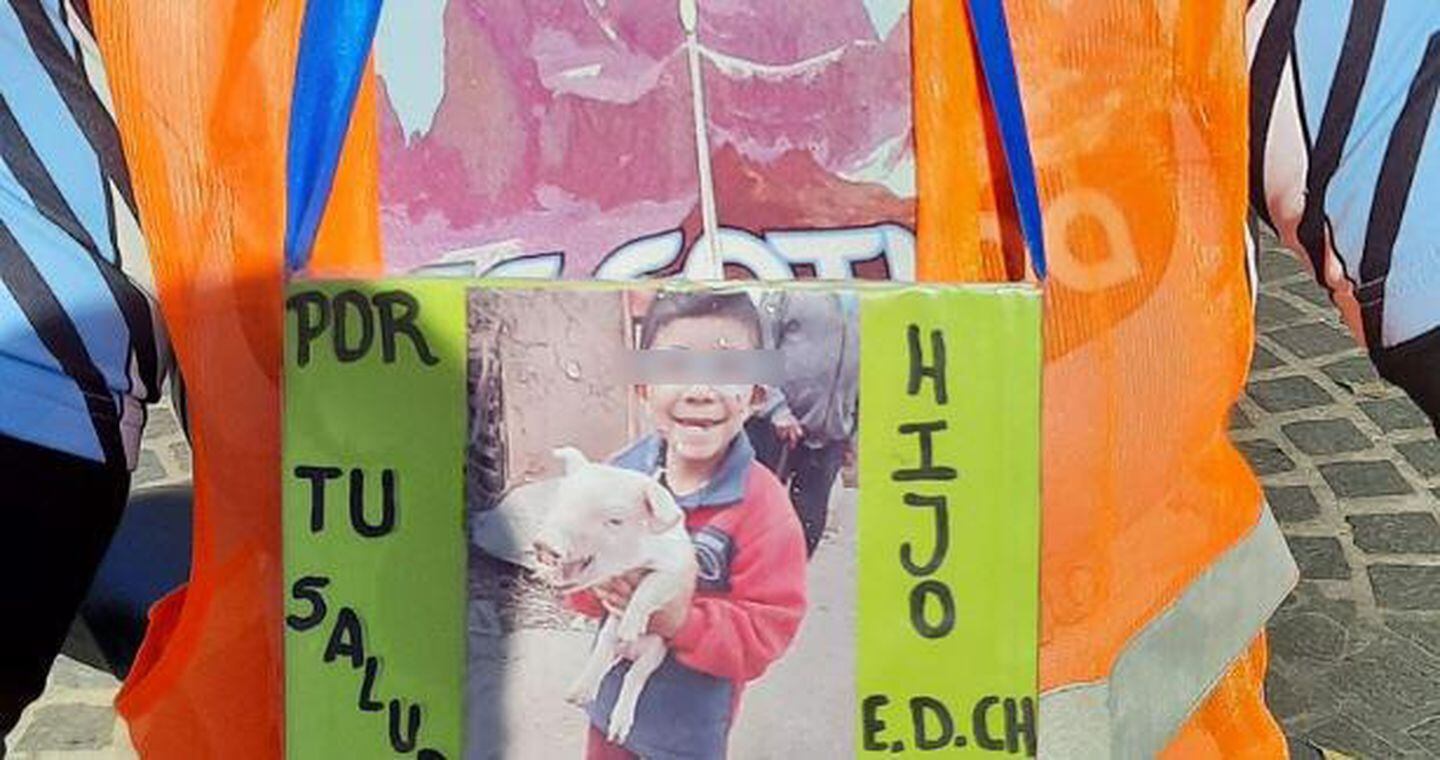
<point x="81" y="348"/>
<point x="1345" y="153"/>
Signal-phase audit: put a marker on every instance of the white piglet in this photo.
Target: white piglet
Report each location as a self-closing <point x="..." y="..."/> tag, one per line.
<point x="604" y="523"/>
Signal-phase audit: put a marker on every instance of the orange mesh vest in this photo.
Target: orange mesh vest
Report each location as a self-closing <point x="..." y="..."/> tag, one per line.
<point x="1160" y="561"/>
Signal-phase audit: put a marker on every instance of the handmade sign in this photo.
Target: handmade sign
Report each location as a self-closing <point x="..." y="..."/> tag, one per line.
<point x="538" y="520"/>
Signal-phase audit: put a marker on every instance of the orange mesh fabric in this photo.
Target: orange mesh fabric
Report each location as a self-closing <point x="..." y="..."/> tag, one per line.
<point x="1137" y="118"/>
<point x="1233" y="722"/>
<point x="1138" y="123"/>
<point x="202" y="93"/>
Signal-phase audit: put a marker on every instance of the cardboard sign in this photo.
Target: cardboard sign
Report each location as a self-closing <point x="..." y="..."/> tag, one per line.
<point x="816" y="495"/>
<point x="374" y="437"/>
<point x="949" y="524"/>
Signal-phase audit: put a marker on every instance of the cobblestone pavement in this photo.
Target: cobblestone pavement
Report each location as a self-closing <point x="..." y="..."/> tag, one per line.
<point x="75" y="719"/>
<point x="1352" y="471"/>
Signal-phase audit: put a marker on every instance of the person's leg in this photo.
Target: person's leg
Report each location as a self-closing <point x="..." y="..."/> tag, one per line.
<point x="767" y="445"/>
<point x="597" y="747"/>
<point x="57" y="514"/>
<point x="1415" y="367"/>
<point x="815" y="471"/>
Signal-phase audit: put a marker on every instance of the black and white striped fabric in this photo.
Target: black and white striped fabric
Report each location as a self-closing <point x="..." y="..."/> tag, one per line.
<point x="81" y="349"/>
<point x="1345" y="165"/>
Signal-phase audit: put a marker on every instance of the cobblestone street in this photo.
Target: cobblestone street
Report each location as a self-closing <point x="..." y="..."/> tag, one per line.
<point x="1350" y="467"/>
<point x="1352" y="471"/>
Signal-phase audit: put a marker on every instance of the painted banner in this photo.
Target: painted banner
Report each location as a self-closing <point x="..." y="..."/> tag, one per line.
<point x="563" y="138"/>
<point x="539" y="520"/>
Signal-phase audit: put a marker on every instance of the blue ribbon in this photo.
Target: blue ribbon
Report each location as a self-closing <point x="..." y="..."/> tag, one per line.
<point x="997" y="63"/>
<point x="335" y="41"/>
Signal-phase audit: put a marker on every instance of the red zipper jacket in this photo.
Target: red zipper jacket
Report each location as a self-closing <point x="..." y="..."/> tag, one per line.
<point x="749" y="601"/>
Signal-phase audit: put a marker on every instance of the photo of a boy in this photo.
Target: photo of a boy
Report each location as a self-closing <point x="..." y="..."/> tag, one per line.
<point x="750" y="595"/>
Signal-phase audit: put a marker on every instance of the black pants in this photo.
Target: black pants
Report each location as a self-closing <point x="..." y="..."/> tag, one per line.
<point x="1415" y="366"/>
<point x="809" y="471"/>
<point x="57" y="514"/>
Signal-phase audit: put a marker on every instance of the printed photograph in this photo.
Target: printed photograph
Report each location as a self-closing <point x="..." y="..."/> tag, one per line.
<point x="661" y="502"/>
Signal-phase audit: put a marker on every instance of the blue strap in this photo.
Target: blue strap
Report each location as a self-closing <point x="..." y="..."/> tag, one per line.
<point x="334" y="44"/>
<point x="997" y="62"/>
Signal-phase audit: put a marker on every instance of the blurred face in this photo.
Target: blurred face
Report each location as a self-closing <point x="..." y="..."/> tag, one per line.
<point x="698" y="421"/>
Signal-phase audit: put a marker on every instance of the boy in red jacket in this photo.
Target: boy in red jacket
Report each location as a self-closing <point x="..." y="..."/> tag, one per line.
<point x="750" y="594"/>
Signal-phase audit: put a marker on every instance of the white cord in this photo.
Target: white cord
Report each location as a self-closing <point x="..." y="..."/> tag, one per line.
<point x="710" y="268"/>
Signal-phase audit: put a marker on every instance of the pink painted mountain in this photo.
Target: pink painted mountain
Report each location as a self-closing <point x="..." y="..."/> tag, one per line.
<point x="566" y="125"/>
